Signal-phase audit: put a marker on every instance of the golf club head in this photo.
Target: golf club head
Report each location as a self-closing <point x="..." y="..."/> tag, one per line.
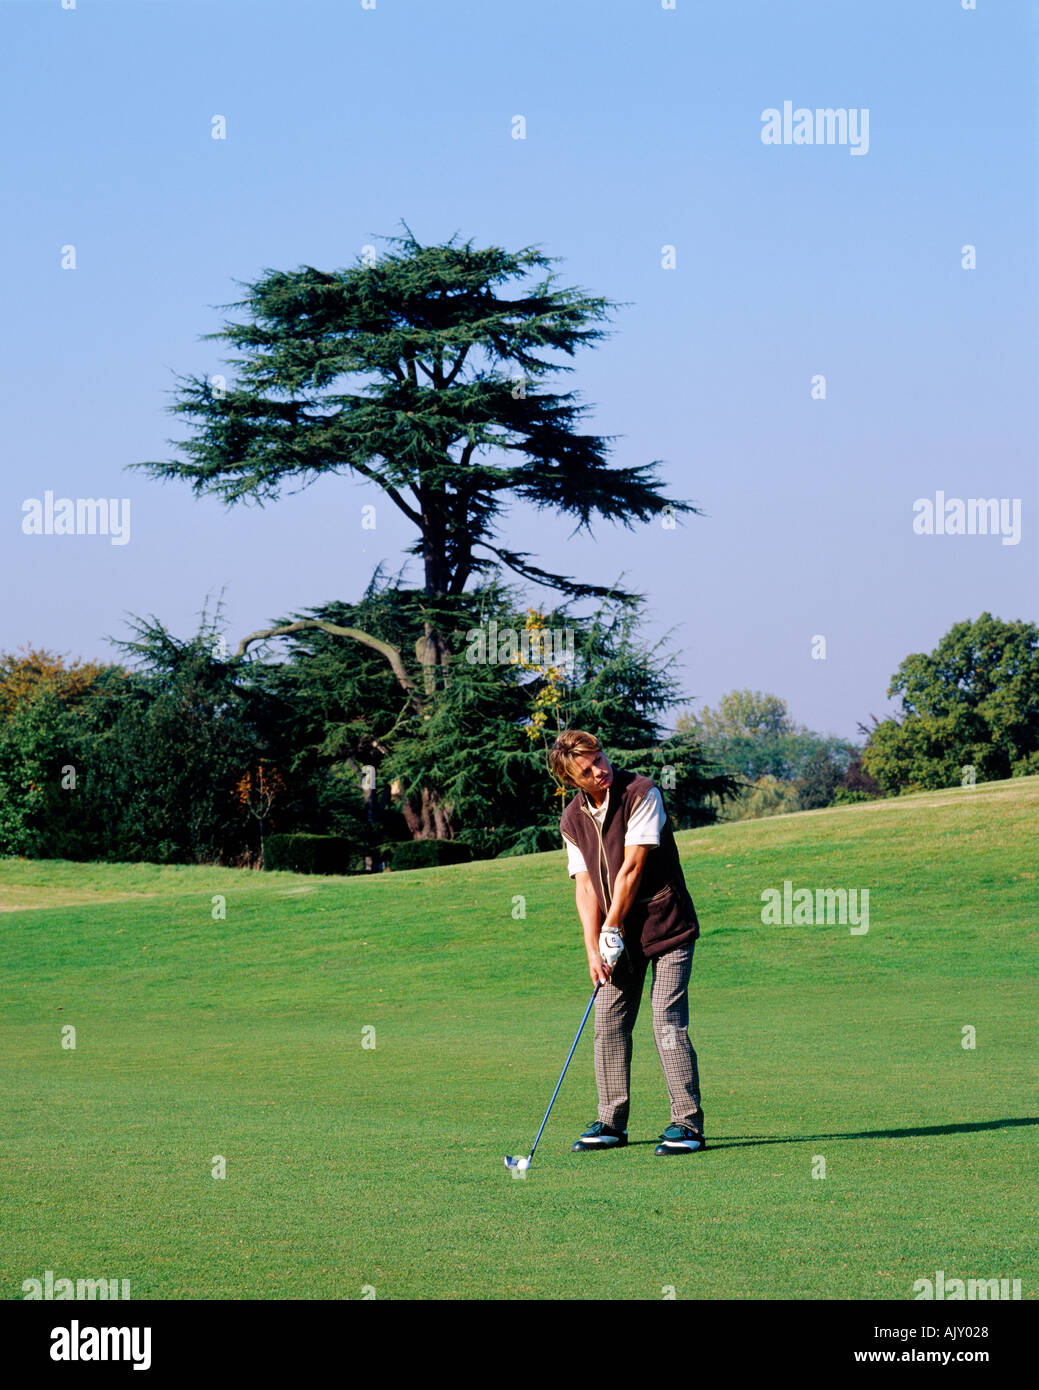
<point x="511" y="1162"/>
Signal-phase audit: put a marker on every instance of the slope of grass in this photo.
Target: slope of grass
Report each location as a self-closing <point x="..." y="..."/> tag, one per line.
<point x="241" y="1036"/>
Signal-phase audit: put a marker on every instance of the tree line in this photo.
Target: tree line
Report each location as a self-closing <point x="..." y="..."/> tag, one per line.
<point x="194" y="755"/>
<point x="426" y="374"/>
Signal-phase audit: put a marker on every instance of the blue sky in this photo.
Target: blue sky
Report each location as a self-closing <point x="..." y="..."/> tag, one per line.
<point x="643" y="130"/>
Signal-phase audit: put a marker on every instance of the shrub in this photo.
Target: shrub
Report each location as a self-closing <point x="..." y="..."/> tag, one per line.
<point x="823" y="774"/>
<point x="537" y="839"/>
<point x="486" y="844"/>
<point x="844" y="796"/>
<point x="768" y="796"/>
<point x="313" y="854"/>
<point x="425" y="854"/>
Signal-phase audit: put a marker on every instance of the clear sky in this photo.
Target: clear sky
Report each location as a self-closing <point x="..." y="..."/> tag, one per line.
<point x="643" y="130"/>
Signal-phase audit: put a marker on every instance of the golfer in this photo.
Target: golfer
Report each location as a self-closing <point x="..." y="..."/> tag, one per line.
<point x="634" y="909"/>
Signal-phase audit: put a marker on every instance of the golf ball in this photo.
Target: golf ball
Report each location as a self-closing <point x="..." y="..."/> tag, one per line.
<point x="523" y="1163"/>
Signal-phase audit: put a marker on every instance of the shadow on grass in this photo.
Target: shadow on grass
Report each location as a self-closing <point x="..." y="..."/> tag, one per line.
<point x="739" y="1141"/>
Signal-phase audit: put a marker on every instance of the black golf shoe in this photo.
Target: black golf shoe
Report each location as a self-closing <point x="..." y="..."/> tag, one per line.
<point x="680" y="1139"/>
<point x="600" y="1136"/>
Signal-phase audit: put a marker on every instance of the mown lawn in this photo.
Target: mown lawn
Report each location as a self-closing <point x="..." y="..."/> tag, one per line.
<point x="352" y="1166"/>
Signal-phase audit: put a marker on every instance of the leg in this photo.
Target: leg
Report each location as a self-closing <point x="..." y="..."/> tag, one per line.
<point x="670" y="995"/>
<point x="616" y="1010"/>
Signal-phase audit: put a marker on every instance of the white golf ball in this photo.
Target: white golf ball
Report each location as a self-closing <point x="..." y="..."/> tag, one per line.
<point x="523" y="1163"/>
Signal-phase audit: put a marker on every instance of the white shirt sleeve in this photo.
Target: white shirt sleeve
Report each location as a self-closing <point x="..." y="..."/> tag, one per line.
<point x="647" y="820"/>
<point x="574" y="859"/>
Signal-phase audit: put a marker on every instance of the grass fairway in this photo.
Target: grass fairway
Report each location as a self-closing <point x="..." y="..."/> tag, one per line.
<point x="351" y="1166"/>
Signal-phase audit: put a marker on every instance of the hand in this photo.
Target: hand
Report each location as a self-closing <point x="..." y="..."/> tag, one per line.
<point x="598" y="969"/>
<point x="611" y="945"/>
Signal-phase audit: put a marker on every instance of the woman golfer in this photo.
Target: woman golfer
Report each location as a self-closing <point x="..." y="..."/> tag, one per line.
<point x="635" y="910"/>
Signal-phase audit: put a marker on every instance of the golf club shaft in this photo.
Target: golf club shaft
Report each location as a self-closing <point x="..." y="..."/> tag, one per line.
<point x="567" y="1063"/>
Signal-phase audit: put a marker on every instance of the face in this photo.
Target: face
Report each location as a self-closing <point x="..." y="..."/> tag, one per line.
<point x="592" y="774"/>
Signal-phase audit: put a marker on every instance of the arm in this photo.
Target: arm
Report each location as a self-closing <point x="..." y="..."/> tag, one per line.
<point x="591" y="916"/>
<point x="626" y="886"/>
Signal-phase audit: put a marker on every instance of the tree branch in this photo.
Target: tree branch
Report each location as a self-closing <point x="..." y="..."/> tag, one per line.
<point x="458" y="365"/>
<point x="515" y="561"/>
<point x="379" y="740"/>
<point x="390" y="492"/>
<point x="386" y="649"/>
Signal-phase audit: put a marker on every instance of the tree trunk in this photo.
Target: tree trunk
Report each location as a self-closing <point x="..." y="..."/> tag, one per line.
<point x="429" y="821"/>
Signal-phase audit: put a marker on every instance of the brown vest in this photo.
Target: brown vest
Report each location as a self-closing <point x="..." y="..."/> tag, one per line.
<point x="662" y="915"/>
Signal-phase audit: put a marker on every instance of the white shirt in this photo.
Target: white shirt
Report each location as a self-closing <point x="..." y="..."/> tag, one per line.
<point x="644" y="827"/>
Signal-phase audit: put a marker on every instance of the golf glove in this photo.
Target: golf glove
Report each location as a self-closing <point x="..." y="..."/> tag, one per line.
<point x="611" y="947"/>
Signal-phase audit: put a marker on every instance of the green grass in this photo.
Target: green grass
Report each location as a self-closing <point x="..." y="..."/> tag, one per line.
<point x="349" y="1166"/>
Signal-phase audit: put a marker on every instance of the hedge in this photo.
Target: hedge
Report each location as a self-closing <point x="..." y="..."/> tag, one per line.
<point x="425" y="854"/>
<point x="313" y="854"/>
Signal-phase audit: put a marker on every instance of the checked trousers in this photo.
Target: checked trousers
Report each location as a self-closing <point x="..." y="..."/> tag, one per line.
<point x="617" y="1008"/>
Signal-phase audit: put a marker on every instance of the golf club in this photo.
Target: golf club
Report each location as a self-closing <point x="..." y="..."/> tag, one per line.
<point x="520" y="1165"/>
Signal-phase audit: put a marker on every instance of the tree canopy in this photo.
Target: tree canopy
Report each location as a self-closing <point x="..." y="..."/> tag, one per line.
<point x="973" y="702"/>
<point x="752" y="734"/>
<point x="416" y="372"/>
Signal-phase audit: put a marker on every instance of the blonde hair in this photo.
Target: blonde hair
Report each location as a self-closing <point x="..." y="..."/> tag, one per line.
<point x="570" y="745"/>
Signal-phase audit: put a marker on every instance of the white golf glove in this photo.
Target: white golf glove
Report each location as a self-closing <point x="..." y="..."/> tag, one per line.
<point x="611" y="947"/>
